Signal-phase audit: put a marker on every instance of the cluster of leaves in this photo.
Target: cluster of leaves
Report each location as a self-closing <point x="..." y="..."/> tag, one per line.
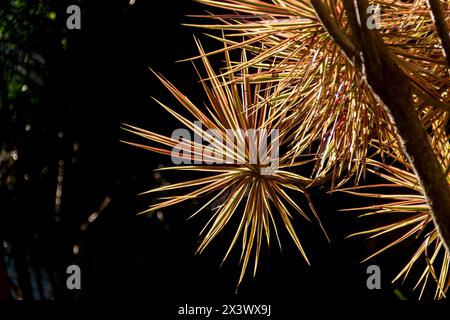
<point x="291" y="74"/>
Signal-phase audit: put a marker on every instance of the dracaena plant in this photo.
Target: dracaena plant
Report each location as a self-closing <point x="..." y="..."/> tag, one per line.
<point x="239" y="184"/>
<point x="406" y="216"/>
<point x="344" y="96"/>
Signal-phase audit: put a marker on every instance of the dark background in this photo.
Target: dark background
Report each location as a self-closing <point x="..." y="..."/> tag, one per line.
<point x="97" y="80"/>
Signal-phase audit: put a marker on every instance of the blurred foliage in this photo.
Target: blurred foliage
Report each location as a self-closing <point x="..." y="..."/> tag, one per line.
<point x="315" y="95"/>
<point x="22" y="27"/>
<point x="23" y="24"/>
<point x="28" y="35"/>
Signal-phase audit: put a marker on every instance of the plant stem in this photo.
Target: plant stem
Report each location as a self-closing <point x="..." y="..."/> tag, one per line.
<point x="441" y="27"/>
